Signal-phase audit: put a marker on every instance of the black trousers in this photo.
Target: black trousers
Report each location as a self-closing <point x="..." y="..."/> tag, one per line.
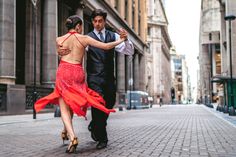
<point x="99" y="119"/>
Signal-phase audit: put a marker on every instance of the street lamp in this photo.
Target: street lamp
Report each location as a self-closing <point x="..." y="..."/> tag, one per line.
<point x="34" y="2"/>
<point x="230" y="18"/>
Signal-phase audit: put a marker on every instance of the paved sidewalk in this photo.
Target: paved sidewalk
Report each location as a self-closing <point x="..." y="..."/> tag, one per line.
<point x="174" y="130"/>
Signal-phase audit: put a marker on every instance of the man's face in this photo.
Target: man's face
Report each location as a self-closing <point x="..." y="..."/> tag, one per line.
<point x="98" y="23"/>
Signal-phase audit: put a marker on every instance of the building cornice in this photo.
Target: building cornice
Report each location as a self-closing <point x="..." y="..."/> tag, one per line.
<point x="156" y="23"/>
<point x="162" y="6"/>
<point x="166" y="36"/>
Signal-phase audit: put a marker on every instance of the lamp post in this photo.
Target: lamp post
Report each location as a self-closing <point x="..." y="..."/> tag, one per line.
<point x="34" y="2"/>
<point x="230" y="18"/>
<point x="130" y="80"/>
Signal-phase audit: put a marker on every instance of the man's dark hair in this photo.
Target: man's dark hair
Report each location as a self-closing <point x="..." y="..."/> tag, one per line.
<point x="99" y="12"/>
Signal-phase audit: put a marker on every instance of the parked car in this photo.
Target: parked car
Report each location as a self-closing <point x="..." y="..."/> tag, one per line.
<point x="139" y="100"/>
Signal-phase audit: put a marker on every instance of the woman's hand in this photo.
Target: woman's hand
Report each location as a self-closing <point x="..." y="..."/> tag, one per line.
<point x="123" y="34"/>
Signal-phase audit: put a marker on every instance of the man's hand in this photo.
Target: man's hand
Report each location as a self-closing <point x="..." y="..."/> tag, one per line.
<point x="62" y="50"/>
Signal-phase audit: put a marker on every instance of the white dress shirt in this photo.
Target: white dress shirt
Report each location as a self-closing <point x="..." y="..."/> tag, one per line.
<point x="125" y="47"/>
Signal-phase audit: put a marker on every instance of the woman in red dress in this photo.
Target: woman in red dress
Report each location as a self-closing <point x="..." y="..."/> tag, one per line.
<point x="71" y="91"/>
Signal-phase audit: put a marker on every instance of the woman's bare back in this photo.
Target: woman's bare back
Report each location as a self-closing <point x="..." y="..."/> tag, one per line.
<point x="72" y="42"/>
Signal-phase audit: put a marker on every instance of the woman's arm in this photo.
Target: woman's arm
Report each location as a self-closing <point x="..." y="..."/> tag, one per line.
<point x="106" y="46"/>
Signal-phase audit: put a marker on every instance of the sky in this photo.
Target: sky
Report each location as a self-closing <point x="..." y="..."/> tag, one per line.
<point x="184" y="24"/>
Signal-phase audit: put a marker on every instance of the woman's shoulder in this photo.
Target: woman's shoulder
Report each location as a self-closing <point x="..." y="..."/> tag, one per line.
<point x="60" y="38"/>
<point x="80" y="35"/>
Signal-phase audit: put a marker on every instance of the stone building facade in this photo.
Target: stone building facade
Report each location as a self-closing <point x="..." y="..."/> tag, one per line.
<point x="158" y="56"/>
<point x="209" y="47"/>
<point x="214" y="55"/>
<point x="180" y="79"/>
<point x="28" y="56"/>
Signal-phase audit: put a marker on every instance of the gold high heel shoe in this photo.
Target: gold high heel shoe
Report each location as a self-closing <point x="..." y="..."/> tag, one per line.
<point x="72" y="147"/>
<point x="64" y="136"/>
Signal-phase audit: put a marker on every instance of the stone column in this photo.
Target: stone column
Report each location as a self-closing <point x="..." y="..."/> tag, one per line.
<point x="121" y="73"/>
<point x="127" y="71"/>
<point x="231" y="10"/>
<point x="50" y="59"/>
<point x="205" y="63"/>
<point x="29" y="41"/>
<point x="112" y="3"/>
<point x="214" y="67"/>
<point x="121" y="8"/>
<point x="142" y="74"/>
<point x="136" y="72"/>
<point x="136" y="17"/>
<point x="129" y="13"/>
<point x="7" y="41"/>
<point x="143" y="20"/>
<point x="223" y="42"/>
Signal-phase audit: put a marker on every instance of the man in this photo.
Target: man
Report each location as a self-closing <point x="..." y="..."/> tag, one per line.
<point x="100" y="73"/>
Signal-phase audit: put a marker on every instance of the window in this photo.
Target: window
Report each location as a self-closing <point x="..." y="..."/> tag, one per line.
<point x="149" y="31"/>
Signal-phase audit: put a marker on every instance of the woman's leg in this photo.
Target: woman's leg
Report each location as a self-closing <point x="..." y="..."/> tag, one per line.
<point x="67" y="118"/>
<point x="71" y="114"/>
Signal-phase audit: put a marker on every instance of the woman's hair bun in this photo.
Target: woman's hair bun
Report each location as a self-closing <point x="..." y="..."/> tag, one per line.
<point x="69" y="22"/>
<point x="72" y="21"/>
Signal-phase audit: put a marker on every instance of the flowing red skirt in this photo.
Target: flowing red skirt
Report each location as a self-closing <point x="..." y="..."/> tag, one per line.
<point x="71" y="86"/>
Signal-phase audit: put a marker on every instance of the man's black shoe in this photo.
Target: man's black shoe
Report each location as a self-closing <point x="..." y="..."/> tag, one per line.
<point x="101" y="145"/>
<point x="92" y="133"/>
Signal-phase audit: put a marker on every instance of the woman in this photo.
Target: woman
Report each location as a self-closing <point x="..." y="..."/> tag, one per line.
<point x="70" y="91"/>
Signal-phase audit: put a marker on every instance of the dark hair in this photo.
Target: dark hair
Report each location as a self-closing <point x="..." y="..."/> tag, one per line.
<point x="72" y="21"/>
<point x="99" y="12"/>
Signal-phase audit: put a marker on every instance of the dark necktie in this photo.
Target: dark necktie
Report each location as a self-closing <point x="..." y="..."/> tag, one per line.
<point x="101" y="37"/>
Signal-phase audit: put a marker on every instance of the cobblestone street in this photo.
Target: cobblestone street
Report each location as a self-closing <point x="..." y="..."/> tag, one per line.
<point x="180" y="130"/>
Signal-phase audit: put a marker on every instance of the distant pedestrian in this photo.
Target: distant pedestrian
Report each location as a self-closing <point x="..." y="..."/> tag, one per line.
<point x="161" y="101"/>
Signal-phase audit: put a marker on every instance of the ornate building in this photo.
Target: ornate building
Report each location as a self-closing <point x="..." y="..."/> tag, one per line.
<point x="158" y="56"/>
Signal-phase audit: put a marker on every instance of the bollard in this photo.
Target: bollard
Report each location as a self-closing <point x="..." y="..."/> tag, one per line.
<point x="231" y="111"/>
<point x="57" y="112"/>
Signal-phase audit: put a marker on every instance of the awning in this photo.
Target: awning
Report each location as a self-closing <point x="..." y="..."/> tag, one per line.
<point x="221" y="79"/>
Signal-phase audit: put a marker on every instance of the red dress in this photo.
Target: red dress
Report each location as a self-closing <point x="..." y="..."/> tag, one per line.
<point x="71" y="86"/>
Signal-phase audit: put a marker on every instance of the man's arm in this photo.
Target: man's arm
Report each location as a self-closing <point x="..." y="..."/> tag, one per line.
<point x="61" y="51"/>
<point x="125" y="47"/>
